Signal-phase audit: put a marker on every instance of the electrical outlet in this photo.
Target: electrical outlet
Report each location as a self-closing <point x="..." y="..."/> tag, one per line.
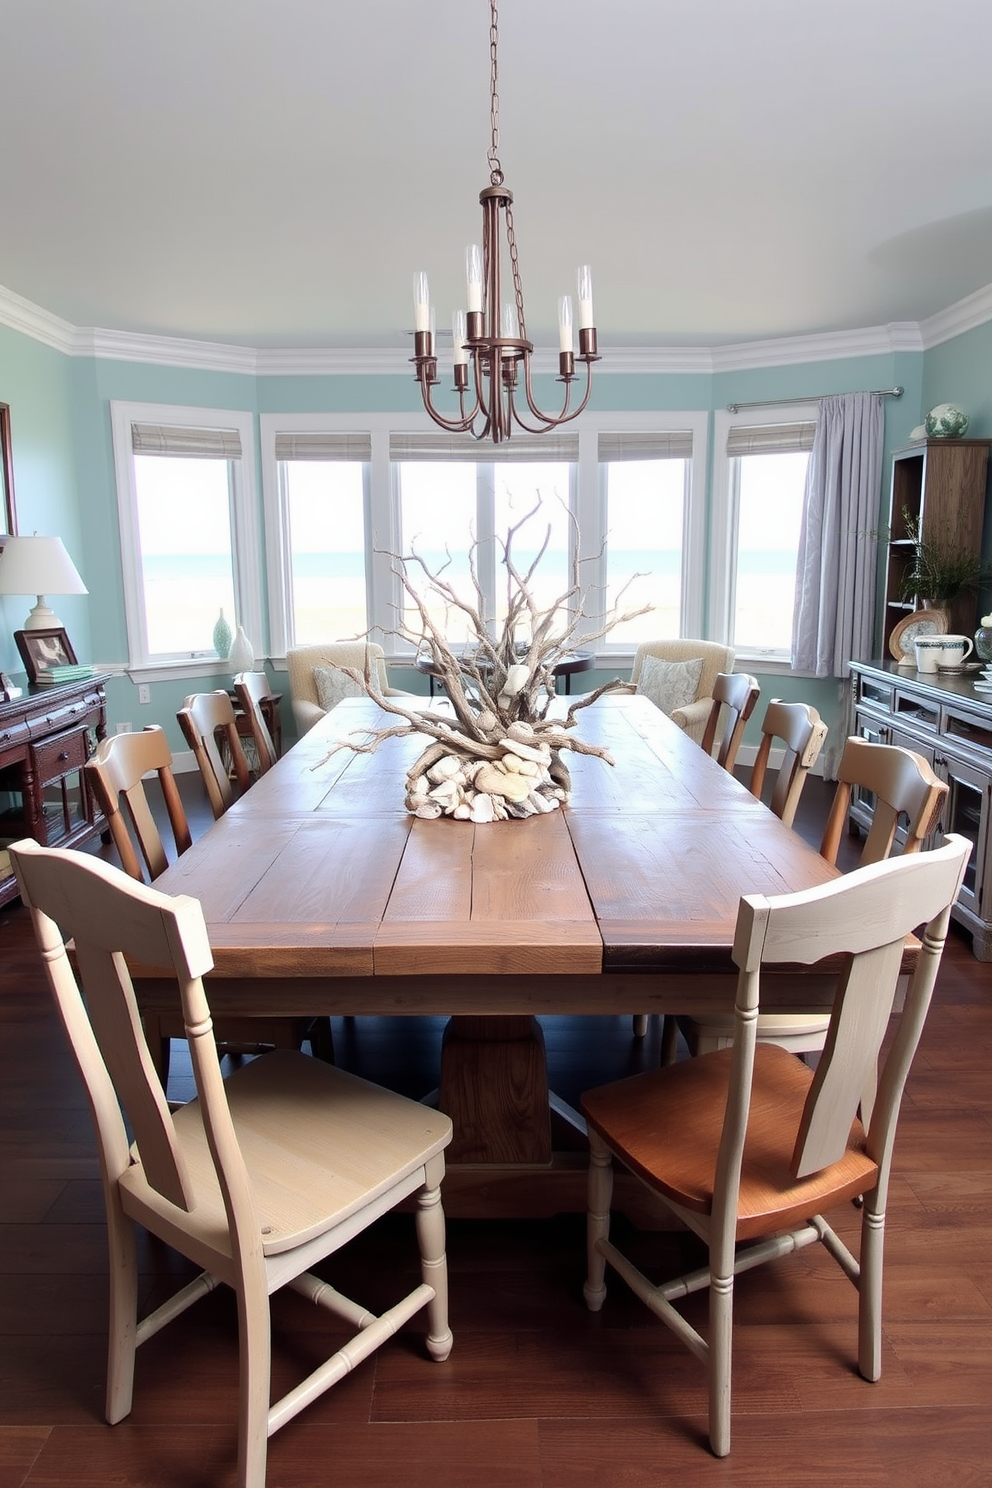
<point x="122" y="728"/>
<point x="144" y="693"/>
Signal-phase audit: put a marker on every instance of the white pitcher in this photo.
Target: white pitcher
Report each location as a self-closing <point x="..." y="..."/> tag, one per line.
<point x="953" y="649"/>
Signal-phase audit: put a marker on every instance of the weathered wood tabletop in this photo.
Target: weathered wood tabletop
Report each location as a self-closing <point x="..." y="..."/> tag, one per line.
<point x="322" y="895"/>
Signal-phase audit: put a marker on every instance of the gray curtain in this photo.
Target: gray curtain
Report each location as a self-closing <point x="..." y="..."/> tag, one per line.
<point x="838" y="542"/>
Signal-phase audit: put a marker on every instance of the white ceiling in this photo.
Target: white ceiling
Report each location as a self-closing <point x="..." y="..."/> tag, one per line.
<point x="270" y="172"/>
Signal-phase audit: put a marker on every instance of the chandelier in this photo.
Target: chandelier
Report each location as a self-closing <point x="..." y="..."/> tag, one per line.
<point x="491" y="352"/>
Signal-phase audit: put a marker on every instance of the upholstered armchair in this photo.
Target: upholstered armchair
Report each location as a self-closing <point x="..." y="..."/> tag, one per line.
<point x="678" y="677"/>
<point x="316" y="687"/>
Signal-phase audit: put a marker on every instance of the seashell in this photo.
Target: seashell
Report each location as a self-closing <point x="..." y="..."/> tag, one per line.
<point x="498" y="782"/>
<point x="429" y="810"/>
<point x="521" y="730"/>
<point x="513" y="764"/>
<point x="462" y="811"/>
<point x="540" y="803"/>
<point x="445" y="769"/>
<point x="530" y="768"/>
<point x="482" y="808"/>
<point x="499" y="808"/>
<point x="487" y="721"/>
<point x="449" y="793"/>
<point x="419" y="787"/>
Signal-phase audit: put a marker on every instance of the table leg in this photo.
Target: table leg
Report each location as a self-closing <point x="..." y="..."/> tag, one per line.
<point x="494" y="1086"/>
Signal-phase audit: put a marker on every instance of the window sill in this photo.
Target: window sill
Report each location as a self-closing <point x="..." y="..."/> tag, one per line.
<point x="167" y="671"/>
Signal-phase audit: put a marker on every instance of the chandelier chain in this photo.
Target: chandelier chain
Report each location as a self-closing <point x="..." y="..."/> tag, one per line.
<point x="495" y="169"/>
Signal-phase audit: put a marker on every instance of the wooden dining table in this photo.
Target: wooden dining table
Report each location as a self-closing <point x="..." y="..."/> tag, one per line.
<point x="322" y="895"/>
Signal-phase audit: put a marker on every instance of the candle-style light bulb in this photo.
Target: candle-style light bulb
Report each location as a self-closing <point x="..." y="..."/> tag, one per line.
<point x="421" y="302"/>
<point x="565" y="323"/>
<point x="586" y="319"/>
<point x="473" y="276"/>
<point x="458" y="347"/>
<point x="509" y="326"/>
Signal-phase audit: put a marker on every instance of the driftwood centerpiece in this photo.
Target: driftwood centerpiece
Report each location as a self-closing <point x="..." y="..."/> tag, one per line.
<point x="499" y="754"/>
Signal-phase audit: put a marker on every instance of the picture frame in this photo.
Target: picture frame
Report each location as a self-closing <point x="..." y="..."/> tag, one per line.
<point x="43" y="649"/>
<point x="8" y="516"/>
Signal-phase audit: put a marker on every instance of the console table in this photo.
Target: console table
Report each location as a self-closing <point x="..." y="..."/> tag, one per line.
<point x="944" y="718"/>
<point x="46" y="736"/>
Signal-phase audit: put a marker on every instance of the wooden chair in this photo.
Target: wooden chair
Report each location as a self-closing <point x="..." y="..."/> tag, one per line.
<point x="748" y="1146"/>
<point x="202" y="716"/>
<point x="116" y="772"/>
<point x="258" y="1179"/>
<point x="904" y="786"/>
<point x="303" y="663"/>
<point x="252" y="690"/>
<point x="801" y="731"/>
<point x="692" y="715"/>
<point x="734" y="695"/>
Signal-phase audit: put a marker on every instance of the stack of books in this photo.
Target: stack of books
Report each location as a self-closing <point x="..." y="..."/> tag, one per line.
<point x="52" y="676"/>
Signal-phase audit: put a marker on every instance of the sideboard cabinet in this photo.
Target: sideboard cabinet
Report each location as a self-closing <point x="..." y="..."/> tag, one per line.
<point x="46" y="737"/>
<point x="950" y="723"/>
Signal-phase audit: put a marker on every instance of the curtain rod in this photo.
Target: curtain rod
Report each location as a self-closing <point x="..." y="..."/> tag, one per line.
<point x="895" y="392"/>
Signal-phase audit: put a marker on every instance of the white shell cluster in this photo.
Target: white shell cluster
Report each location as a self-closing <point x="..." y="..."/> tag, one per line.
<point x="516" y="784"/>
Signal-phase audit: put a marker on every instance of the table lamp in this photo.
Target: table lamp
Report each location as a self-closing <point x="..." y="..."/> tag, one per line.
<point x="40" y="566"/>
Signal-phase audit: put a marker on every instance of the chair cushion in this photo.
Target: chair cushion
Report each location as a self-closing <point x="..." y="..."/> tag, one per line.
<point x="332" y="685"/>
<point x="670" y="684"/>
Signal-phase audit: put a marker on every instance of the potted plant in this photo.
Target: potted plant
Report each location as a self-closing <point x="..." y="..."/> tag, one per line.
<point x="936" y="575"/>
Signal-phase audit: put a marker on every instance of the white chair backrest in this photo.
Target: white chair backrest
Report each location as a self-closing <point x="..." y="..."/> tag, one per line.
<point x="109" y="917"/>
<point x="116" y="771"/>
<point x="252" y="689"/>
<point x="863" y="918"/>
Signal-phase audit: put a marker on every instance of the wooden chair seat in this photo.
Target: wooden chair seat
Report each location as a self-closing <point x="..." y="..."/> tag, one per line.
<point x="638" y="1116"/>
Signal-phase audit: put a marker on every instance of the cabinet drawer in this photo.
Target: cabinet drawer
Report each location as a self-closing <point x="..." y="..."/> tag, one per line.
<point x="45" y="724"/>
<point x="61" y="755"/>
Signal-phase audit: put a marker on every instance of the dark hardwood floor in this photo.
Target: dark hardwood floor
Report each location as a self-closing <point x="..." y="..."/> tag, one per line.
<point x="538" y="1392"/>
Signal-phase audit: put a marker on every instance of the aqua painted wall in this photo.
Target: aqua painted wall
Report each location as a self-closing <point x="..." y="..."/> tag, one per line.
<point x="64" y="478"/>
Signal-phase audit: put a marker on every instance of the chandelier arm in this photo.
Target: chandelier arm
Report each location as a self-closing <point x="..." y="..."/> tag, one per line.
<point x="453" y="426"/>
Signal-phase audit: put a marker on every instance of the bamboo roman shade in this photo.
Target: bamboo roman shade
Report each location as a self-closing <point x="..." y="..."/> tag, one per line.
<point x="175" y="439"/>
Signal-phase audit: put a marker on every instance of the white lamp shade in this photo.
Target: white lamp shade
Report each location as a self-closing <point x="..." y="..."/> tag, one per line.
<point x="40" y="566"/>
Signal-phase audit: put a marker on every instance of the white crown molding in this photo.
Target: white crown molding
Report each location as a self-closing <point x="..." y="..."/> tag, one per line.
<point x="966" y="315"/>
<point x="165" y="351"/>
<point x="172" y="351"/>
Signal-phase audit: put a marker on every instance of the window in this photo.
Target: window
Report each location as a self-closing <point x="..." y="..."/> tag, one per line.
<point x="765" y="474"/>
<point x="446" y="505"/>
<point x="323" y="481"/>
<point x="343" y="493"/>
<point x="647" y="482"/>
<point x="187" y="542"/>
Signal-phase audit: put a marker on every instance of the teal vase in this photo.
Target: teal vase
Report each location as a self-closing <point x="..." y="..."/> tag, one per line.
<point x="222" y="636"/>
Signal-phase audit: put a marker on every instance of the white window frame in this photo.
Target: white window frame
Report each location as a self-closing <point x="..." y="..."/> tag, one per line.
<point x="244" y="535"/>
<point x="592" y="513"/>
<point x="726" y="499"/>
<point x="587" y="493"/>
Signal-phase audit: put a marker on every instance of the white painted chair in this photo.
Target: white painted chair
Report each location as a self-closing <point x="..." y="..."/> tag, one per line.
<point x="905" y="789"/>
<point x="306" y="688"/>
<point x="653" y="681"/>
<point x="748" y="1146"/>
<point x="259" y="1179"/>
<point x="252" y="689"/>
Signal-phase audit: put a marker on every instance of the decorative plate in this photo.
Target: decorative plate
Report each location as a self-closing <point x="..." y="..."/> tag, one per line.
<point x="919" y="623"/>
